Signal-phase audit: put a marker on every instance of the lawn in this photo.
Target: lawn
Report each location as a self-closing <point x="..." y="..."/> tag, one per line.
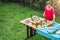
<point x="10" y="27"/>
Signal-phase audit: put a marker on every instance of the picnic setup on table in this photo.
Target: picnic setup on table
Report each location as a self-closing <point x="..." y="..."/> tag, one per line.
<point x="36" y="25"/>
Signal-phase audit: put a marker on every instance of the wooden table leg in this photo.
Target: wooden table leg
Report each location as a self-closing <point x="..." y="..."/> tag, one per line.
<point x="27" y="33"/>
<point x="31" y="31"/>
<point x="34" y="31"/>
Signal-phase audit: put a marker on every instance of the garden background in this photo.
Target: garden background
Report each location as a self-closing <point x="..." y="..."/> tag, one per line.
<point x="12" y="11"/>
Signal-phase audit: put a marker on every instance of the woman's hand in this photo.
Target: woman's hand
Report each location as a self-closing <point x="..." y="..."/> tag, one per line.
<point x="44" y="14"/>
<point x="54" y="17"/>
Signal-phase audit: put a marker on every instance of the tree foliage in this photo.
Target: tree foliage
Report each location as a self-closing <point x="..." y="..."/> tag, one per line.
<point x="37" y="3"/>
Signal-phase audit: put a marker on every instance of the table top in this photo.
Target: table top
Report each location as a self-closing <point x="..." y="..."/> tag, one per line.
<point x="29" y="24"/>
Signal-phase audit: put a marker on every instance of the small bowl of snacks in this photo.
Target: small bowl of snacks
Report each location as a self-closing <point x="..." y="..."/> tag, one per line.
<point x="35" y="21"/>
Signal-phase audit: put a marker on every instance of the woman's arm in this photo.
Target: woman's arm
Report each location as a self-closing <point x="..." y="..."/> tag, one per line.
<point x="44" y="11"/>
<point x="44" y="14"/>
<point x="53" y="14"/>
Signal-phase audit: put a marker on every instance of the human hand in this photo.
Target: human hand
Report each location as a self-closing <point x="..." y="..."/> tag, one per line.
<point x="44" y="14"/>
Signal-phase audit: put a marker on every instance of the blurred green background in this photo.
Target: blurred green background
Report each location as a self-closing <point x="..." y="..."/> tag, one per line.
<point x="10" y="15"/>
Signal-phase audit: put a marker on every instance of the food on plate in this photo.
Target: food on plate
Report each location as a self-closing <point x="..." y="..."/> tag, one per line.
<point x="27" y="21"/>
<point x="35" y="21"/>
<point x="35" y="18"/>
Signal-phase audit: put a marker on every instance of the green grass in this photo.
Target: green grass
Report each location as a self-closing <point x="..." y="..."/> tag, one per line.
<point x="10" y="27"/>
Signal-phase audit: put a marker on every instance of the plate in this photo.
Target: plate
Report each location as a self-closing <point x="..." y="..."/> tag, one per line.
<point x="51" y="28"/>
<point x="58" y="32"/>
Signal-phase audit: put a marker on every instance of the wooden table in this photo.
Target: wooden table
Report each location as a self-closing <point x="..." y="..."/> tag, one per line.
<point x="30" y="29"/>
